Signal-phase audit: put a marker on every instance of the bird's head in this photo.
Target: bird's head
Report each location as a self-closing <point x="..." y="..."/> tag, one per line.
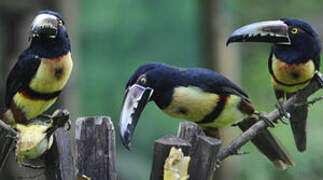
<point x="286" y="34"/>
<point x="47" y="25"/>
<point x="146" y="84"/>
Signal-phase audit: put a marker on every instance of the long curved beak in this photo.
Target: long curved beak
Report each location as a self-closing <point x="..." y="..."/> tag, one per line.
<point x="264" y="31"/>
<point x="134" y="103"/>
<point x="45" y="25"/>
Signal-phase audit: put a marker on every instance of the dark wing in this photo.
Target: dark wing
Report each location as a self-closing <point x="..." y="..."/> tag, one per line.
<point x="21" y="75"/>
<point x="213" y="82"/>
<point x="270" y="61"/>
<point x="317" y="62"/>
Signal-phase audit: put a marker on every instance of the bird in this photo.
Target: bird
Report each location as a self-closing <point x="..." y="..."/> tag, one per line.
<point x="36" y="138"/>
<point x="42" y="70"/>
<point x="194" y="94"/>
<point x="294" y="60"/>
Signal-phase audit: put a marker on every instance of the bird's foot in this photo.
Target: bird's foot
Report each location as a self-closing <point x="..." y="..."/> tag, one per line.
<point x="46" y="116"/>
<point x="239" y="153"/>
<point x="282" y="111"/>
<point x="318" y="77"/>
<point x="262" y="116"/>
<point x="62" y="119"/>
<point x="15" y="138"/>
<point x="32" y="166"/>
<point x="68" y="125"/>
<point x="218" y="164"/>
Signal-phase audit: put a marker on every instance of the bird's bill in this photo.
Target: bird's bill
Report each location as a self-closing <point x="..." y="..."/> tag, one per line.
<point x="45" y="25"/>
<point x="134" y="103"/>
<point x="264" y="31"/>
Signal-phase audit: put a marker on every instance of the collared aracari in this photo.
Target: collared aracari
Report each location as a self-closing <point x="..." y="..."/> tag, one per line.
<point x="36" y="138"/>
<point x="41" y="71"/>
<point x="195" y="94"/>
<point x="293" y="62"/>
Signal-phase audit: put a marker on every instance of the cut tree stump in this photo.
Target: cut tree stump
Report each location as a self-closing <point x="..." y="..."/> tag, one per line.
<point x="96" y="149"/>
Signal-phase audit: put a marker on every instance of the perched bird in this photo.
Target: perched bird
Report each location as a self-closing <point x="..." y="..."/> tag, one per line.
<point x="293" y="62"/>
<point x="195" y="94"/>
<point x="41" y="71"/>
<point x="36" y="138"/>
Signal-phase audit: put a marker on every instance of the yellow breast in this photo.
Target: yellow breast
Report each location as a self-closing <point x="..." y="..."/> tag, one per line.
<point x="52" y="74"/>
<point x="32" y="107"/>
<point x="191" y="103"/>
<point x="292" y="74"/>
<point x="230" y="114"/>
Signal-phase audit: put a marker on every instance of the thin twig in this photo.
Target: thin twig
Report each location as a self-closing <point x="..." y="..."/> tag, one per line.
<point x="313" y="101"/>
<point x="273" y="116"/>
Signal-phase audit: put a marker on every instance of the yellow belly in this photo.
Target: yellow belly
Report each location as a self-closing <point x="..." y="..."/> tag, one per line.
<point x="32" y="107"/>
<point x="52" y="74"/>
<point x="292" y="74"/>
<point x="230" y="114"/>
<point x="193" y="104"/>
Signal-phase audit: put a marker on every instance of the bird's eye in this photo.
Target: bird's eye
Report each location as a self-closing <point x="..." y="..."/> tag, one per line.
<point x="143" y="80"/>
<point x="60" y="23"/>
<point x="294" y="31"/>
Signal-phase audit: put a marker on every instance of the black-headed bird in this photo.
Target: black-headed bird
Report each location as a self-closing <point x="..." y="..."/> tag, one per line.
<point x="195" y="94"/>
<point x="293" y="62"/>
<point x="41" y="71"/>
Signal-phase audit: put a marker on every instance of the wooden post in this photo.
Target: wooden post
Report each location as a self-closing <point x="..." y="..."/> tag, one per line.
<point x="65" y="155"/>
<point x="57" y="163"/>
<point x="96" y="149"/>
<point x="204" y="158"/>
<point x="190" y="132"/>
<point x="161" y="150"/>
<point x="204" y="151"/>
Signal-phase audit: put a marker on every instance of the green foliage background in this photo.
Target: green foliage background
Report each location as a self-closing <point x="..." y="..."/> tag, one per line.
<point x="117" y="36"/>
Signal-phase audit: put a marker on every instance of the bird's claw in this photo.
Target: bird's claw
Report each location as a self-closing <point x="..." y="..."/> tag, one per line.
<point x="282" y="111"/>
<point x="68" y="125"/>
<point x="261" y="115"/>
<point x="32" y="166"/>
<point x="218" y="163"/>
<point x="46" y="116"/>
<point x="239" y="153"/>
<point x="318" y="77"/>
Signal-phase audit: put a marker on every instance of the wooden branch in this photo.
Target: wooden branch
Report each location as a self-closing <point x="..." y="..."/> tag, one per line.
<point x="273" y="116"/>
<point x="96" y="148"/>
<point x="8" y="128"/>
<point x="7" y="135"/>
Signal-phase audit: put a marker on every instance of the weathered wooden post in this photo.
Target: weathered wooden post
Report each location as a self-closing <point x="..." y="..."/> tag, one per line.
<point x="194" y="143"/>
<point x="161" y="150"/>
<point x="204" y="151"/>
<point x="96" y="149"/>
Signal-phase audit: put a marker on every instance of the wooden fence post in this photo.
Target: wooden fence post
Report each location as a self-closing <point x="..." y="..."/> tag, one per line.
<point x="161" y="150"/>
<point x="65" y="155"/>
<point x="96" y="149"/>
<point x="192" y="140"/>
<point x="204" y="151"/>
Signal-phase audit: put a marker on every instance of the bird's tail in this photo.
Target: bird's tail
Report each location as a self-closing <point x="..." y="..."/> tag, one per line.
<point x="269" y="145"/>
<point x="298" y="123"/>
